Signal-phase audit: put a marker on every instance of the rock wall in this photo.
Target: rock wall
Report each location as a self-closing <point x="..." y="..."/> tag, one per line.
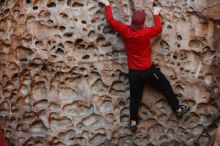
<point x="64" y="74"/>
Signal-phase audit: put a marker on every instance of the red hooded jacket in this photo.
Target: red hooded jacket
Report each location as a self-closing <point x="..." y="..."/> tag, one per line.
<point x="137" y="43"/>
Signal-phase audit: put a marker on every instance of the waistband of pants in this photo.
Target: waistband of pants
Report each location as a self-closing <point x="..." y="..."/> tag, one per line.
<point x="148" y="69"/>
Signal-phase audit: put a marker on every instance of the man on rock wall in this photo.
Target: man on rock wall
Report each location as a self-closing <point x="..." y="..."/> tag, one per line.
<point x="136" y="39"/>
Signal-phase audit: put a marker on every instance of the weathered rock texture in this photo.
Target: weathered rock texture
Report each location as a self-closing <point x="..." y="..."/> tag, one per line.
<point x="64" y="74"/>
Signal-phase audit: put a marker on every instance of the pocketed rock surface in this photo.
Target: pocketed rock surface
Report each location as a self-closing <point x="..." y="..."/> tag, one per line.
<point x="64" y="81"/>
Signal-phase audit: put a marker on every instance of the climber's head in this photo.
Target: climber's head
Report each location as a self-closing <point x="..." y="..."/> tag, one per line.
<point x="138" y="19"/>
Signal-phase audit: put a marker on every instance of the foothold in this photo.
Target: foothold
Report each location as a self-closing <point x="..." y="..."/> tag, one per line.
<point x="68" y="35"/>
<point x="83" y="22"/>
<point x="63" y="15"/>
<point x="194" y="44"/>
<point x="62" y="28"/>
<point x="169" y="27"/>
<point x="35" y="7"/>
<point x="28" y="1"/>
<point x="179" y="37"/>
<point x="51" y="4"/>
<point x="74" y="4"/>
<point x="39" y="44"/>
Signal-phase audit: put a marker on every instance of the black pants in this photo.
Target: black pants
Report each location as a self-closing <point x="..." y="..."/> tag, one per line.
<point x="154" y="77"/>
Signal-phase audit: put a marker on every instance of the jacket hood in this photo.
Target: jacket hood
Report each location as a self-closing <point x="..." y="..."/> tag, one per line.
<point x="138" y="20"/>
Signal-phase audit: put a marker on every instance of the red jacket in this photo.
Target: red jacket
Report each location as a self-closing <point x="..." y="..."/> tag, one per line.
<point x="137" y="43"/>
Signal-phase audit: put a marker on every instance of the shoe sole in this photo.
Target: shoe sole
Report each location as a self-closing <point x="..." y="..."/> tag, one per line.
<point x="183" y="113"/>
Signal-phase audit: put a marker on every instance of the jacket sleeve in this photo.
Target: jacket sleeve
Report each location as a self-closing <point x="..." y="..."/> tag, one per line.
<point x="157" y="29"/>
<point x="115" y="24"/>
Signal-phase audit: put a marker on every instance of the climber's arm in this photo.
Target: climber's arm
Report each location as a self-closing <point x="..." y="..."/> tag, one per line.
<point x="157" y="28"/>
<point x="115" y="24"/>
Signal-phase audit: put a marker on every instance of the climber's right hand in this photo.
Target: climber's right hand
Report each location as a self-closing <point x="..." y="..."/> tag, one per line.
<point x="105" y="2"/>
<point x="156" y="10"/>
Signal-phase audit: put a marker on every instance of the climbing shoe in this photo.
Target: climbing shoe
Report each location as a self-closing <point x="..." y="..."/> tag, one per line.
<point x="182" y="110"/>
<point x="132" y="125"/>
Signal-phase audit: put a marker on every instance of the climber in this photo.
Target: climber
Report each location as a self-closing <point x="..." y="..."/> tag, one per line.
<point x="136" y="39"/>
<point x="217" y="137"/>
